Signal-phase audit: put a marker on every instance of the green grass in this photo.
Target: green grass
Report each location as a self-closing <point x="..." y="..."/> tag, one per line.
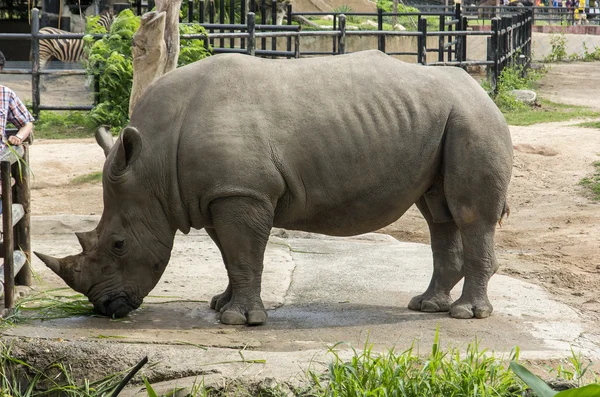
<point x="590" y="124"/>
<point x="475" y="372"/>
<point x="441" y="373"/>
<point x="548" y="112"/>
<point x="18" y="378"/>
<point x="48" y="305"/>
<point x="64" y="125"/>
<point x="93" y="177"/>
<point x="593" y="182"/>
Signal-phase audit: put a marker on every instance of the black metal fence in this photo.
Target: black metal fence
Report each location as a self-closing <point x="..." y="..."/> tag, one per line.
<point x="509" y="41"/>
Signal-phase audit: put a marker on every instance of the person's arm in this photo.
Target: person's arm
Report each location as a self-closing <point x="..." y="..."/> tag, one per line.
<point x="21" y="135"/>
<point x="21" y="118"/>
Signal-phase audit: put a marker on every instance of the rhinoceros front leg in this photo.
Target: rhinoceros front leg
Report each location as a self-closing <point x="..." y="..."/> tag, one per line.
<point x="242" y="226"/>
<point x="446" y="246"/>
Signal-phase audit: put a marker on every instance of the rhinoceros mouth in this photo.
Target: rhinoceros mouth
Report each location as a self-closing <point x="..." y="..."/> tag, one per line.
<point x="116" y="307"/>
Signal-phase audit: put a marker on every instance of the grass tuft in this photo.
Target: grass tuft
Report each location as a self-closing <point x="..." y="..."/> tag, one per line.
<point x="407" y="374"/>
<point x="48" y="305"/>
<point x="590" y="124"/>
<point x="593" y="182"/>
<point x="93" y="177"/>
<point x="547" y="112"/>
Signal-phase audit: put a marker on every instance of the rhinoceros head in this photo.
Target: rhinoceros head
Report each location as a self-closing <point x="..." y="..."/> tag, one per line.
<point x="125" y="256"/>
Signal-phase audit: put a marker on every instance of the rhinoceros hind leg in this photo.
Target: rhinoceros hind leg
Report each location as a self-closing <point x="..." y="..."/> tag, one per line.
<point x="242" y="226"/>
<point x="479" y="265"/>
<point x="219" y="300"/>
<point x="446" y="246"/>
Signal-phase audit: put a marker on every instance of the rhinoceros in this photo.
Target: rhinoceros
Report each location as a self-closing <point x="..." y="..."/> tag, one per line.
<point x="338" y="145"/>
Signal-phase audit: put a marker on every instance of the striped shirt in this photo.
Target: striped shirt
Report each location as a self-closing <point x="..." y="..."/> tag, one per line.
<point x="13" y="110"/>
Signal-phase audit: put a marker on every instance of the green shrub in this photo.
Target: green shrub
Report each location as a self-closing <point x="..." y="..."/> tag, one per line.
<point x="409" y="22"/>
<point x="559" y="48"/>
<point x="110" y="58"/>
<point x="513" y="77"/>
<point x="61" y="125"/>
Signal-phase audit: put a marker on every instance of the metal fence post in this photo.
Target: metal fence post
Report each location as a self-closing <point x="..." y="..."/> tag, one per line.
<point x="529" y="37"/>
<point x="335" y="39"/>
<point x="442" y="27"/>
<point x="342" y="43"/>
<point x="190" y="11"/>
<point x="201" y="11"/>
<point x="465" y="25"/>
<point x="251" y="50"/>
<point x="289" y="22"/>
<point x="381" y="41"/>
<point x="35" y="62"/>
<point x="422" y="42"/>
<point x="211" y="18"/>
<point x="495" y="52"/>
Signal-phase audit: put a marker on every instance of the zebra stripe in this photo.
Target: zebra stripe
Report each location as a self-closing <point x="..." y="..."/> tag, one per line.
<point x="66" y="50"/>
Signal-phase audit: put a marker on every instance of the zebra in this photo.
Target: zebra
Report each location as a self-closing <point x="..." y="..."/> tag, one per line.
<point x="67" y="50"/>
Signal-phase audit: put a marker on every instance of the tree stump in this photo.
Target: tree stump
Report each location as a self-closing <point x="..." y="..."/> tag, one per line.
<point x="155" y="47"/>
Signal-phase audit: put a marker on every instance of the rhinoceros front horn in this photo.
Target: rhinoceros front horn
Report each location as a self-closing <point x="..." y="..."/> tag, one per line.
<point x="66" y="268"/>
<point x="52" y="263"/>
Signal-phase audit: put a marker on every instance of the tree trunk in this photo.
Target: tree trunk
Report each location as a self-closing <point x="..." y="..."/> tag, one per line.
<point x="155" y="47"/>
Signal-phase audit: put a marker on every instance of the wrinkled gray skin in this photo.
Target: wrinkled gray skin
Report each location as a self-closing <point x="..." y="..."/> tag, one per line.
<point x="339" y="145"/>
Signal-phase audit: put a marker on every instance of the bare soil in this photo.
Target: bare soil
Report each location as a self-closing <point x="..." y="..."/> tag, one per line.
<point x="551" y="238"/>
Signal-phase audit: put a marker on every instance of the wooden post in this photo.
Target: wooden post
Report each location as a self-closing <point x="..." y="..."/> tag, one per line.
<point x="23" y="228"/>
<point x="342" y="44"/>
<point x="9" y="271"/>
<point x="155" y="47"/>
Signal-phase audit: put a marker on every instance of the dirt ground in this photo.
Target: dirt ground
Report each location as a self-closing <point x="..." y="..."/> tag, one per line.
<point x="551" y="238"/>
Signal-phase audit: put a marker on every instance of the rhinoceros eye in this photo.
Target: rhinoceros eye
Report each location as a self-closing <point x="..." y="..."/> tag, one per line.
<point x="117" y="243"/>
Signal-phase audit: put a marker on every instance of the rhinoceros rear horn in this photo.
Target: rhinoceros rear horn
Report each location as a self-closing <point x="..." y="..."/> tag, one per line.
<point x="129" y="149"/>
<point x="66" y="268"/>
<point x="88" y="240"/>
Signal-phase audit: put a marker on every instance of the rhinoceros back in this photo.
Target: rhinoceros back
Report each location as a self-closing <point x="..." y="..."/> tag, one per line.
<point x="340" y="145"/>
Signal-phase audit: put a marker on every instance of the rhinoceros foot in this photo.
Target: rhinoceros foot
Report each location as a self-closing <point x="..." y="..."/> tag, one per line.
<point x="235" y="314"/>
<point x="430" y="304"/>
<point x="218" y="301"/>
<point x="464" y="308"/>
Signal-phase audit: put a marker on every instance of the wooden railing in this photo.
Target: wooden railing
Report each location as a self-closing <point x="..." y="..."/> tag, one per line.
<point x="16" y="241"/>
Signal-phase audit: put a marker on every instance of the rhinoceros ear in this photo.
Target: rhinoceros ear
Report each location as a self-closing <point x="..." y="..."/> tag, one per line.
<point x="129" y="148"/>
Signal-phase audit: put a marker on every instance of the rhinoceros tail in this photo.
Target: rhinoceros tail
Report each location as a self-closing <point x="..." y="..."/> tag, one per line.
<point x="505" y="211"/>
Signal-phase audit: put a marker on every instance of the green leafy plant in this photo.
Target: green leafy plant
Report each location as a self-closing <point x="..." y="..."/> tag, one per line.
<point x="344" y="8"/>
<point x="111" y="60"/>
<point x="513" y="77"/>
<point x="559" y="48"/>
<point x="542" y="389"/>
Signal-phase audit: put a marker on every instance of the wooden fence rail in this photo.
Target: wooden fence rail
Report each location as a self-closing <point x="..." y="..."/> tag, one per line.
<point x="16" y="242"/>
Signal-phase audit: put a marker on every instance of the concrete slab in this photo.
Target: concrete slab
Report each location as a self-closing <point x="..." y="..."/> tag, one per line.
<point x="320" y="291"/>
